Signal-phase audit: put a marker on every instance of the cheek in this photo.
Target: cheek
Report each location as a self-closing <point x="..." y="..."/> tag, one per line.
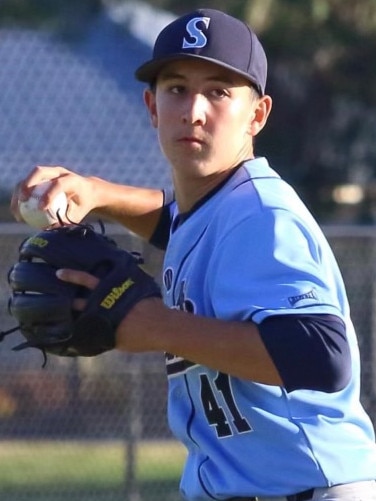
<point x="239" y="114"/>
<point x="236" y="124"/>
<point x="165" y="114"/>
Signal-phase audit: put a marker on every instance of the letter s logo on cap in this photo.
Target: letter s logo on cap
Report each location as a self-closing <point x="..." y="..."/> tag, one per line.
<point x="200" y="39"/>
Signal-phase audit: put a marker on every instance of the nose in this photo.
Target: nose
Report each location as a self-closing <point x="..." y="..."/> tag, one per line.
<point x="195" y="109"/>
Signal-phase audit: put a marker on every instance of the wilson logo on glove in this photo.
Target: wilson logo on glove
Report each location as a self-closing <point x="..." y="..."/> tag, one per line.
<point x="116" y="293"/>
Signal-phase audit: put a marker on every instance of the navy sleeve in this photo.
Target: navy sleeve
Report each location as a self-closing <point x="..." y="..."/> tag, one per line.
<point x="310" y="351"/>
<point x="161" y="233"/>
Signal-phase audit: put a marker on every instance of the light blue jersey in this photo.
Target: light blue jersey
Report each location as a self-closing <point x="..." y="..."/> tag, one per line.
<point x="250" y="251"/>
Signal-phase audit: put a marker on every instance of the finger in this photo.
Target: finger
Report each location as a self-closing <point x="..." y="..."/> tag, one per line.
<point x="78" y="277"/>
<point x="14" y="205"/>
<point x="42" y="173"/>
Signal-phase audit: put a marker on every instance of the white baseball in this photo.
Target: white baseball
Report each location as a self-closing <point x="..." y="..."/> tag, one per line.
<point x="38" y="218"/>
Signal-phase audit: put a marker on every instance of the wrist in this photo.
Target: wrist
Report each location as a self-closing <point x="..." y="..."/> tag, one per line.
<point x="140" y="331"/>
<point x="98" y="193"/>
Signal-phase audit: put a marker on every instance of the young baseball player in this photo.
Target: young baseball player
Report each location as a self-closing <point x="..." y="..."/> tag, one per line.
<point x="261" y="354"/>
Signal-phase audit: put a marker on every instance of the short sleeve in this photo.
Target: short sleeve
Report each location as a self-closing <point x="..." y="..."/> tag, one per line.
<point x="270" y="264"/>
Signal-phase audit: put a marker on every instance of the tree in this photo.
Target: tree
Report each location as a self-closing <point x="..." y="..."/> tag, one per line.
<point x="322" y="77"/>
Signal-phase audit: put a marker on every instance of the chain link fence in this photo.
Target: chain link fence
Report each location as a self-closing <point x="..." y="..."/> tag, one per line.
<point x="116" y="402"/>
<point x="95" y="429"/>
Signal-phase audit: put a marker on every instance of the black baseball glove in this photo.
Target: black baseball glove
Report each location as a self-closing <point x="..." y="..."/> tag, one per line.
<point x="43" y="304"/>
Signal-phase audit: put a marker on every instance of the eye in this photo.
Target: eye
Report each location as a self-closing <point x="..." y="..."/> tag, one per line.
<point x="176" y="89"/>
<point x="219" y="93"/>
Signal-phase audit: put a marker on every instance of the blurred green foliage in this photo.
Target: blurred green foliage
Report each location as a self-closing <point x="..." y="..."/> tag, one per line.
<point x="322" y="77"/>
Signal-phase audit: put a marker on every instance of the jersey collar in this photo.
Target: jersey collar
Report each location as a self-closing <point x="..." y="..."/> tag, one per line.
<point x="249" y="169"/>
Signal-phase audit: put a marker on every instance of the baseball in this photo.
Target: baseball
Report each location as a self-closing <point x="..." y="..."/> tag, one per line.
<point x="38" y="218"/>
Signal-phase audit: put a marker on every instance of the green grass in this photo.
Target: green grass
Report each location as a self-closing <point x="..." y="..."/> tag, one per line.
<point x="88" y="471"/>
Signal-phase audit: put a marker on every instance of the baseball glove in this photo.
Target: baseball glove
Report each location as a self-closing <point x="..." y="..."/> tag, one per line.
<point x="43" y="304"/>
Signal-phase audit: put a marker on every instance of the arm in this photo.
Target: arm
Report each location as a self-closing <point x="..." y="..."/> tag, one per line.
<point x="136" y="208"/>
<point x="234" y="348"/>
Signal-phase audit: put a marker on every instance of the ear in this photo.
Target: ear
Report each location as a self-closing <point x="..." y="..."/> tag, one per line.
<point x="262" y="108"/>
<point x="150" y="102"/>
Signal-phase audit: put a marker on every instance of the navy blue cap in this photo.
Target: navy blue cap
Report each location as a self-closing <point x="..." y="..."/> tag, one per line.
<point x="213" y="36"/>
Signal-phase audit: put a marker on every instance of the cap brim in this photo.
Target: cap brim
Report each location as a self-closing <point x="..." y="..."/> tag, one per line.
<point x="149" y="71"/>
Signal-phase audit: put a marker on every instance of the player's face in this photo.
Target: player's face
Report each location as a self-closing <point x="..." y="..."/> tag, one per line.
<point x="206" y="117"/>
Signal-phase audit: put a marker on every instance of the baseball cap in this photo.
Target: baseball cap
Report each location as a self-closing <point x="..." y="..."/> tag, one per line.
<point x="210" y="35"/>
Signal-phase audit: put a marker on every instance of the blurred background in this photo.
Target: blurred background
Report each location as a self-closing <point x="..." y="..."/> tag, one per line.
<point x="95" y="429"/>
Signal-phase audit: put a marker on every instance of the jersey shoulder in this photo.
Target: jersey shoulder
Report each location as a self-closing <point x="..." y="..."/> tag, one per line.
<point x="256" y="192"/>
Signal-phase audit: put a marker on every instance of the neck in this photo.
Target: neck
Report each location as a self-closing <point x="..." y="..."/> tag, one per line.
<point x="189" y="191"/>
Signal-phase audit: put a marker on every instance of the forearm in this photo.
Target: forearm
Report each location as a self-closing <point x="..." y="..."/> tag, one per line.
<point x="136" y="208"/>
<point x="231" y="347"/>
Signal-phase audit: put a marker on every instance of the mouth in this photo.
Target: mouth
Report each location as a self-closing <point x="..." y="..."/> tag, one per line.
<point x="191" y="140"/>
